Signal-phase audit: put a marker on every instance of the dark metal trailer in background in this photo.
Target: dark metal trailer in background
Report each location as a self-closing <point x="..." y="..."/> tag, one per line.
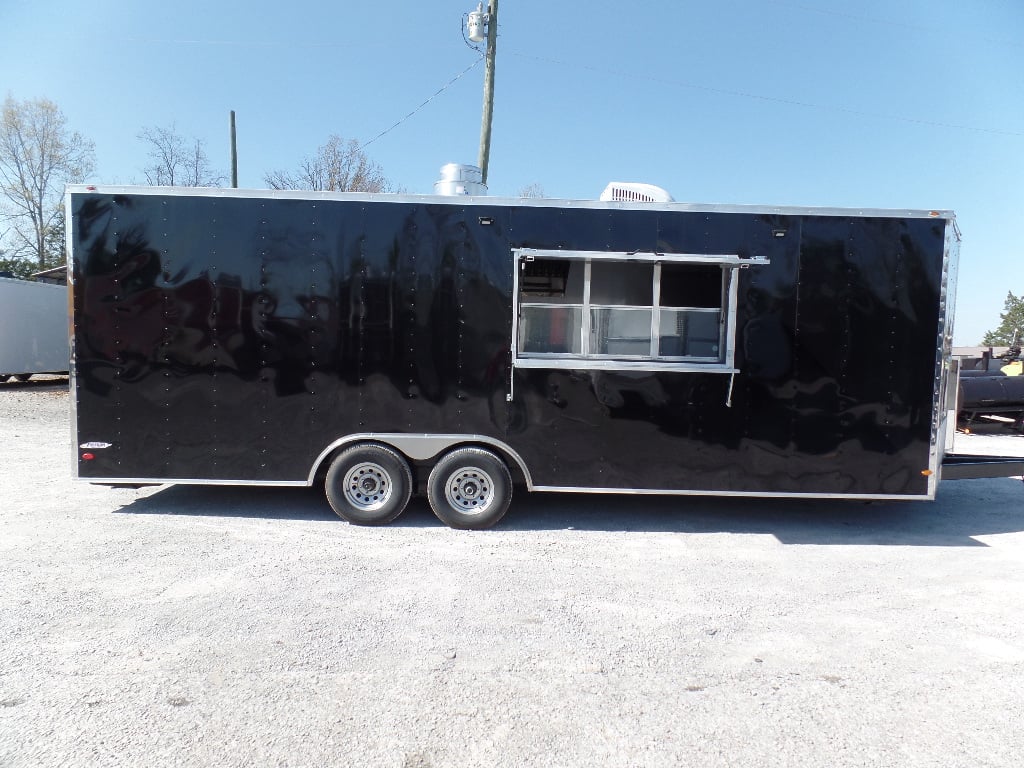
<point x="389" y="344"/>
<point x="992" y="387"/>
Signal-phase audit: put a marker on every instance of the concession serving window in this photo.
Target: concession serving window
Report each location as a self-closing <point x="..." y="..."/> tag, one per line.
<point x="612" y="310"/>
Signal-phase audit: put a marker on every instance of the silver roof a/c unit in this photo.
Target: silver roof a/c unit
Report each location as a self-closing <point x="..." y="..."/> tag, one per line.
<point x="634" y="192"/>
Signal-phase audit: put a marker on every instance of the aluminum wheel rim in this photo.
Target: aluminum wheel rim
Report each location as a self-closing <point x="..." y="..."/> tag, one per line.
<point x="470" y="490"/>
<point x="367" y="486"/>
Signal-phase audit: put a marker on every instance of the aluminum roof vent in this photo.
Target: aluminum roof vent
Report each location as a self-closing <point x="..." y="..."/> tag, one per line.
<point x="460" y="179"/>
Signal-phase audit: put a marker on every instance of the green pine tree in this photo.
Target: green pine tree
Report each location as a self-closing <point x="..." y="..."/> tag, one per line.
<point x="1012" y="320"/>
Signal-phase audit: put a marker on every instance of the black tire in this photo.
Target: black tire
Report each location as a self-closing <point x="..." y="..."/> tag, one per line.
<point x="470" y="488"/>
<point x="22" y="376"/>
<point x="368" y="484"/>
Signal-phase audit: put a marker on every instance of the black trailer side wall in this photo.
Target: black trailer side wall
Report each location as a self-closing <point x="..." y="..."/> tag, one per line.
<point x="234" y="338"/>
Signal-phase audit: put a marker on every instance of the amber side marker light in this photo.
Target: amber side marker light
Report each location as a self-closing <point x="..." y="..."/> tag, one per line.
<point x="926" y="472"/>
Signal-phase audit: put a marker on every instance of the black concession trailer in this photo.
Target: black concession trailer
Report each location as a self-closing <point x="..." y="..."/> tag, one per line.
<point x="457" y="346"/>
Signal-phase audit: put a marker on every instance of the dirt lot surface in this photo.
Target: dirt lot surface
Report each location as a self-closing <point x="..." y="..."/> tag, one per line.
<point x="202" y="626"/>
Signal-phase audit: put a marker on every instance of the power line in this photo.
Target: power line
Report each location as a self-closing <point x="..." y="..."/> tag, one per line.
<point x="889" y="22"/>
<point x="436" y="93"/>
<point x="252" y="43"/>
<point x="762" y="97"/>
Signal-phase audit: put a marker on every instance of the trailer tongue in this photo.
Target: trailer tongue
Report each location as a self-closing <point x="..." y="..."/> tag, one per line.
<point x="967" y="467"/>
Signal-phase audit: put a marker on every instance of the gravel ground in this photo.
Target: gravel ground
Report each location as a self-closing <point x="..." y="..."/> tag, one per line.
<point x="201" y="626"/>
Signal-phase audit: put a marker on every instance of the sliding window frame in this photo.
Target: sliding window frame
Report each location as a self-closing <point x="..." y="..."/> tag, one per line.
<point x="587" y="360"/>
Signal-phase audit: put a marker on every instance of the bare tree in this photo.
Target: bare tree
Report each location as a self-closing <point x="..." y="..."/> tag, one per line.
<point x="38" y="156"/>
<point x="339" y="166"/>
<point x="177" y="162"/>
<point x="532" y="190"/>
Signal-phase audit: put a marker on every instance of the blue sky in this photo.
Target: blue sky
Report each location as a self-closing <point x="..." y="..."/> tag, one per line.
<point x="896" y="104"/>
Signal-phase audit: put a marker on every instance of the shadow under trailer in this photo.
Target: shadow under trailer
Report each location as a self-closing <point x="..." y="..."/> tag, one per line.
<point x="386" y="345"/>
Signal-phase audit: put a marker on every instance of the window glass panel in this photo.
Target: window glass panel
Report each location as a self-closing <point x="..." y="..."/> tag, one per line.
<point x="689" y="333"/>
<point x="550" y="329"/>
<point x="628" y="284"/>
<point x="553" y="281"/>
<point x="620" y="332"/>
<point x="692" y="304"/>
<point x="693" y="285"/>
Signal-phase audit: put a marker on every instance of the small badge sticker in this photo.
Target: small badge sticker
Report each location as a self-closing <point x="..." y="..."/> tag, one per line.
<point x="94" y="446"/>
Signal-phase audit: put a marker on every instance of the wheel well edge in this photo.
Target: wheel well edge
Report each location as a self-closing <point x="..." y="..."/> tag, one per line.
<point x="421" y="447"/>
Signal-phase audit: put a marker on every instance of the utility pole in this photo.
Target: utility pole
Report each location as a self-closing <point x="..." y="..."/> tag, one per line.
<point x="234" y="154"/>
<point x="485" y="126"/>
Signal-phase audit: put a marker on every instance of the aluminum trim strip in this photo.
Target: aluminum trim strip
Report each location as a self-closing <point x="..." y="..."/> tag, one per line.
<point x="465" y="200"/>
<point x="187" y="481"/>
<point x="517" y="266"/>
<point x="618" y="364"/>
<point x="586" y="319"/>
<point x="729" y="329"/>
<point x="529" y="485"/>
<point x="946" y="375"/>
<point x="738" y="494"/>
<point x="69" y="227"/>
<point x="654" y="348"/>
<point x="719" y="259"/>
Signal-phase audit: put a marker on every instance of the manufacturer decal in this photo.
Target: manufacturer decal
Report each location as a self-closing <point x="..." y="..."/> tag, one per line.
<point x="93" y="446"/>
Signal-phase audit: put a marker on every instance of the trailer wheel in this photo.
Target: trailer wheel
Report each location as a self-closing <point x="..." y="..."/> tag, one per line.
<point x="369" y="485"/>
<point x="470" y="488"/>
